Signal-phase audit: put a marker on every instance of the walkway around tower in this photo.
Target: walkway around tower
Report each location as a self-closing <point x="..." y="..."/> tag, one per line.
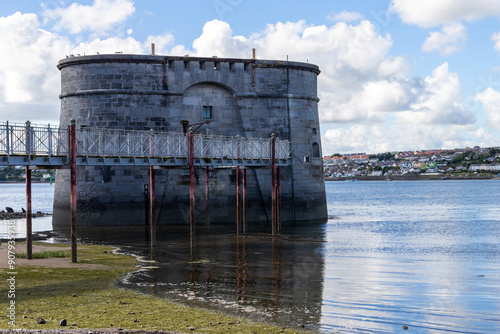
<point x="54" y="147"/>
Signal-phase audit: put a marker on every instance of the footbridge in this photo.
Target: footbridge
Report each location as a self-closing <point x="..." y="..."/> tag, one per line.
<point x="49" y="147"/>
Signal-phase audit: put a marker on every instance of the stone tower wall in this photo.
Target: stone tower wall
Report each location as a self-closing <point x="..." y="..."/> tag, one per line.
<point x="250" y="98"/>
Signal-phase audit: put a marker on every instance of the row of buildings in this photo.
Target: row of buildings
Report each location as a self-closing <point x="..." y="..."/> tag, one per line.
<point x="427" y="162"/>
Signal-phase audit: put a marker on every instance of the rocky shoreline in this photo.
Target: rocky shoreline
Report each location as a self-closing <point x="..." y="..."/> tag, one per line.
<point x="35" y="236"/>
<point x="11" y="214"/>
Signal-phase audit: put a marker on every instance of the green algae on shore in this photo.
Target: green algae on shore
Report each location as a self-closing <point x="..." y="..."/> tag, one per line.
<point x="86" y="298"/>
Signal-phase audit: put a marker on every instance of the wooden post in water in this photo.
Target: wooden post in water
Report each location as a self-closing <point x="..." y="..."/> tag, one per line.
<point x="238" y="232"/>
<point x="192" y="225"/>
<point x="72" y="168"/>
<point x="29" y="239"/>
<point x="273" y="182"/>
<point x="244" y="184"/>
<point x="207" y="197"/>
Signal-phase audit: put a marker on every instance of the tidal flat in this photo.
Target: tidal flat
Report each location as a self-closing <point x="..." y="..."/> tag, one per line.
<point x="84" y="295"/>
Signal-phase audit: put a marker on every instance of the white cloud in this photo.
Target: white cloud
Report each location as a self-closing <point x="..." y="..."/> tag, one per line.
<point x="110" y="45"/>
<point x="413" y="114"/>
<point x="98" y="18"/>
<point x="437" y="100"/>
<point x="496" y="38"/>
<point x="490" y="99"/>
<point x="345" y="16"/>
<point x="29" y="79"/>
<point x="447" y="41"/>
<point x="342" y="140"/>
<point x="217" y="40"/>
<point x="402" y="137"/>
<point x="431" y="13"/>
<point x="383" y="95"/>
<point x="162" y="43"/>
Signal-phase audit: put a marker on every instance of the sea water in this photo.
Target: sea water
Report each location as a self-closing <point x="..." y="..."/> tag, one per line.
<point x="14" y="195"/>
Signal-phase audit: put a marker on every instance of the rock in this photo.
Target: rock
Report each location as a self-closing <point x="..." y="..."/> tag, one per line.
<point x="63" y="322"/>
<point x="9" y="209"/>
<point x="23" y="210"/>
<point x="40" y="321"/>
<point x="73" y="295"/>
<point x="405" y="328"/>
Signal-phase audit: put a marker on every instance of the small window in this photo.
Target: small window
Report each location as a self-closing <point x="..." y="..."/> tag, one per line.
<point x="315" y="148"/>
<point x="207" y="111"/>
<point x="314" y="131"/>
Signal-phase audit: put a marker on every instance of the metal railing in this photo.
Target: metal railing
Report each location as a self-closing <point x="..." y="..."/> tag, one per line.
<point x="29" y="144"/>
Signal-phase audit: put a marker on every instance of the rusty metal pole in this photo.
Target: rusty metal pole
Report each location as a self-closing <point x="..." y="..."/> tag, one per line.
<point x="152" y="213"/>
<point x="273" y="182"/>
<point x="72" y="167"/>
<point x="207" y="198"/>
<point x="244" y="184"/>
<point x="192" y="225"/>
<point x="238" y="232"/>
<point x="278" y="200"/>
<point x="29" y="239"/>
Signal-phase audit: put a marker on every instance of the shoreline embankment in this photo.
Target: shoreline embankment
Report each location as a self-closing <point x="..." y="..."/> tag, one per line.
<point x="410" y="178"/>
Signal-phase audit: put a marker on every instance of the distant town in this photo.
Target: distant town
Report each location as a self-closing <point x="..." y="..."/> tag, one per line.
<point x="17" y="174"/>
<point x="467" y="163"/>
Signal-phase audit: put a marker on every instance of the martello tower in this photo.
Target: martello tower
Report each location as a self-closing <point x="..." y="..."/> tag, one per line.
<point x="240" y="97"/>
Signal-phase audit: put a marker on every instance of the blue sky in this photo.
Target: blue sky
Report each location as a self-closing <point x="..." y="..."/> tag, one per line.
<point x="396" y="74"/>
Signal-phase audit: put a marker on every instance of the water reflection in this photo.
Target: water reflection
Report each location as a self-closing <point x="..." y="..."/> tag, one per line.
<point x="265" y="278"/>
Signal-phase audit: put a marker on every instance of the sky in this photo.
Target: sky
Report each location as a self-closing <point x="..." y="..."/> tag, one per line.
<point x="396" y="75"/>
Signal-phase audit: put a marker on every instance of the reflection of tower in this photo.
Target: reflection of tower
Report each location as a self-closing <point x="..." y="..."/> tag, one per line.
<point x="208" y="271"/>
<point x="153" y="270"/>
<point x="241" y="268"/>
<point x="240" y="97"/>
